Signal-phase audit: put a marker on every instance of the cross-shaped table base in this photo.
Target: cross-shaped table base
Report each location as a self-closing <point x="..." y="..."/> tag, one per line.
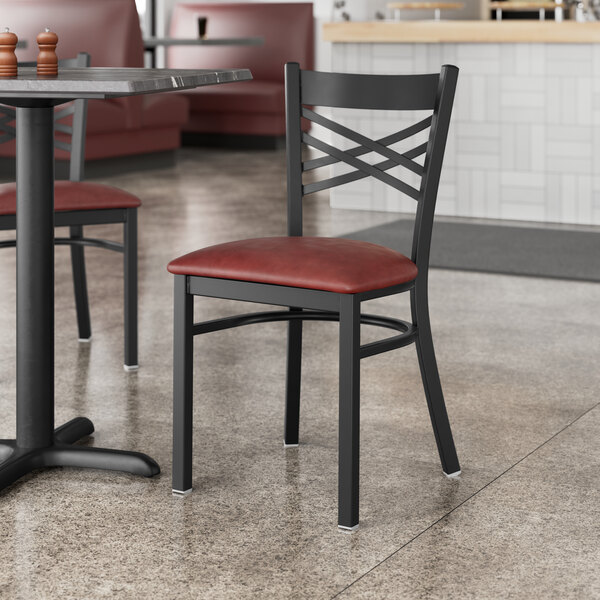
<point x="17" y="462"/>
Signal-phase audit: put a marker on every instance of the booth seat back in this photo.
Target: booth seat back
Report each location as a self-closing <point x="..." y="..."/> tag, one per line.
<point x="286" y="28"/>
<point x="108" y="30"/>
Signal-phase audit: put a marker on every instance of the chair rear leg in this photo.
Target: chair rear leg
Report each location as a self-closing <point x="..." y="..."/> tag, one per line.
<point x="293" y="383"/>
<point x="130" y="286"/>
<point x="183" y="354"/>
<point x="80" y="286"/>
<point x="432" y="384"/>
<point x="349" y="413"/>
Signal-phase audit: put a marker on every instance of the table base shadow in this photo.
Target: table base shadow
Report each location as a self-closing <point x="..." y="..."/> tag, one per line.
<point x="17" y="462"/>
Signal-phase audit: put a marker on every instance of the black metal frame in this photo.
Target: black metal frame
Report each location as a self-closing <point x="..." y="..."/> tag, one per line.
<point x="410" y="92"/>
<point x="38" y="444"/>
<point x="76" y="220"/>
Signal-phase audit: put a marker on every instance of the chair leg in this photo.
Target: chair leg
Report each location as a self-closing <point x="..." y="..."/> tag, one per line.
<point x="183" y="351"/>
<point x="293" y="383"/>
<point x="80" y="286"/>
<point x="349" y="413"/>
<point x="431" y="382"/>
<point x="130" y="286"/>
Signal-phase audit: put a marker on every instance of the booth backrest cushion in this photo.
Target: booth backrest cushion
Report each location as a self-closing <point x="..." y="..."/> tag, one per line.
<point x="286" y="28"/>
<point x="108" y="30"/>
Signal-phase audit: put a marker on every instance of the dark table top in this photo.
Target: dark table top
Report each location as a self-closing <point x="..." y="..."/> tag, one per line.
<point x="107" y="82"/>
<point x="150" y="43"/>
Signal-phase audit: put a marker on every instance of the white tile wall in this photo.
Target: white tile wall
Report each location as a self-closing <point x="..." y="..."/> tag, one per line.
<point x="525" y="137"/>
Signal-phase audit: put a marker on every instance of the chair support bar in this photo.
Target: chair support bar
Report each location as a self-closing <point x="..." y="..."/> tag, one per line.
<point x="391" y="343"/>
<point x="408" y="335"/>
<point x="106" y="244"/>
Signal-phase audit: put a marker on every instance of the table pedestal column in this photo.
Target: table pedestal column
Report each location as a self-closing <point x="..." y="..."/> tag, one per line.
<point x="35" y="277"/>
<point x="38" y="444"/>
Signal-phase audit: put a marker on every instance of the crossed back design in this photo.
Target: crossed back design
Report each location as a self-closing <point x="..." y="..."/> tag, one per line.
<point x="72" y="139"/>
<point x="363" y="169"/>
<point x="434" y="93"/>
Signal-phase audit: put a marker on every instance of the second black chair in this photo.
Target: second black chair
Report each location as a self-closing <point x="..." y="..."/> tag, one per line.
<point x="328" y="278"/>
<point x="78" y="204"/>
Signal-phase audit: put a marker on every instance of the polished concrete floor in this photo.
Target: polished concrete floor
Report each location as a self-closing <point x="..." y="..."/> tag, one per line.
<point x="519" y="364"/>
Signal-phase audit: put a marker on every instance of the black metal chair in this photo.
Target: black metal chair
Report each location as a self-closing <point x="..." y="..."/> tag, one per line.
<point x="78" y="204"/>
<point x="328" y="278"/>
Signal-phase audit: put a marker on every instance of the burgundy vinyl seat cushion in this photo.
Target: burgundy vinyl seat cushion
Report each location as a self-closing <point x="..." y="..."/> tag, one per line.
<point x="74" y="195"/>
<point x="331" y="264"/>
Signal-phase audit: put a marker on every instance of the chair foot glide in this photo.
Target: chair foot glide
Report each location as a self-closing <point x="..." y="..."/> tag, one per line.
<point x="454" y="475"/>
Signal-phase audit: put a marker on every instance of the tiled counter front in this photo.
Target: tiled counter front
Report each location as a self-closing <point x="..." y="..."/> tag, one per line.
<point x="525" y="138"/>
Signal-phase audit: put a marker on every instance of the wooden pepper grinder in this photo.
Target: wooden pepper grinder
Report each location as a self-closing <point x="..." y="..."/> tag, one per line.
<point x="8" y="59"/>
<point x="47" y="61"/>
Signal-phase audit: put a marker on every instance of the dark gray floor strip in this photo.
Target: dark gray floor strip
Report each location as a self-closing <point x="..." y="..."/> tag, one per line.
<point x="583" y="414"/>
<point x="531" y="251"/>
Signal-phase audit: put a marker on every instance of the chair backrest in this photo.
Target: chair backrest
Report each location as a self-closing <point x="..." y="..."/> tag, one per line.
<point x="287" y="30"/>
<point x="69" y="122"/>
<point x="432" y="93"/>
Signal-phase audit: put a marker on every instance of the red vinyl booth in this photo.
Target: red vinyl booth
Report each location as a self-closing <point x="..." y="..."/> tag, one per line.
<point x="252" y="108"/>
<point x="109" y="31"/>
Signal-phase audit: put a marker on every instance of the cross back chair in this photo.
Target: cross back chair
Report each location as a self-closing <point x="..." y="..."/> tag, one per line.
<point x="328" y="278"/>
<point x="78" y="204"/>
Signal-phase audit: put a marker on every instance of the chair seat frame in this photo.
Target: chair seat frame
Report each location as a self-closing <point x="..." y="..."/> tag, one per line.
<point x="310" y="304"/>
<point x="324" y="306"/>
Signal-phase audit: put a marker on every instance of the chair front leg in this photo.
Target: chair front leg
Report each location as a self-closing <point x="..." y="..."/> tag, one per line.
<point x="130" y="288"/>
<point x="82" y="306"/>
<point x="431" y="381"/>
<point x="183" y="355"/>
<point x="349" y="413"/>
<point x="293" y="383"/>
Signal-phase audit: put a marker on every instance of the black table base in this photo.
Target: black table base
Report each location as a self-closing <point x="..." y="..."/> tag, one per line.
<point x="37" y="443"/>
<point x="18" y="461"/>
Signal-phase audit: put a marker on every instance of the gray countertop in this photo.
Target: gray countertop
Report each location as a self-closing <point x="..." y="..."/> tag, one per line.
<point x="106" y="82"/>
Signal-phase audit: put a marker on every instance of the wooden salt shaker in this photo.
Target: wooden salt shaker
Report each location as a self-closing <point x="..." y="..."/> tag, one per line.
<point x="8" y="59"/>
<point x="47" y="61"/>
